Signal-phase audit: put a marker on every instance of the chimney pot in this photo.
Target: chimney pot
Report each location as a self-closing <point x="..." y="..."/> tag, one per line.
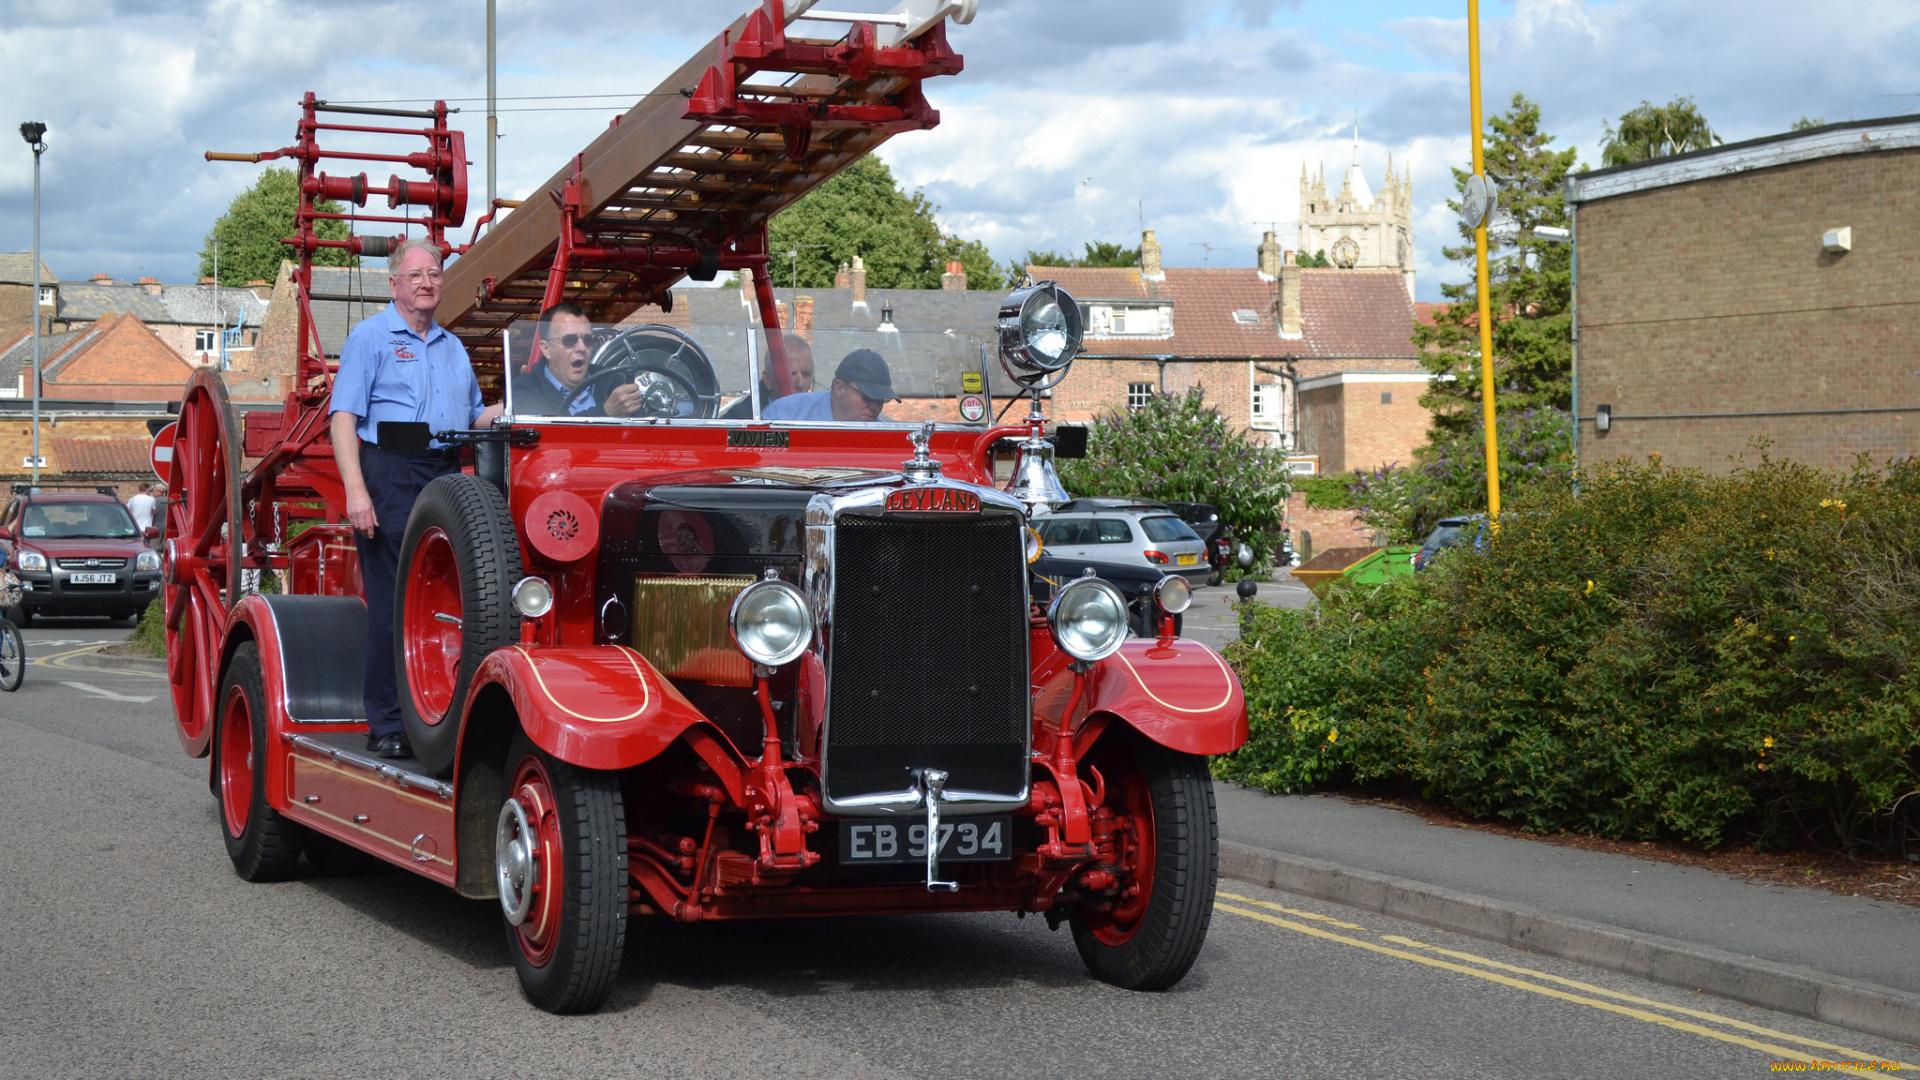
<point x="1150" y="257"/>
<point x="955" y="279"/>
<point x="1270" y="255"/>
<point x="102" y="279"/>
<point x="843" y="279"/>
<point x="857" y="280"/>
<point x="152" y="285"/>
<point x="1288" y="300"/>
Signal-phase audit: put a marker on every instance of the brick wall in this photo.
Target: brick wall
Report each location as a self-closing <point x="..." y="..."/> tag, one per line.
<point x="16" y="312"/>
<point x="1715" y="297"/>
<point x="16" y="444"/>
<point x="126" y="363"/>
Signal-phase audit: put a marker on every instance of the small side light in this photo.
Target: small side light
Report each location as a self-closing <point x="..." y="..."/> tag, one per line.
<point x="533" y="597"/>
<point x="1173" y="595"/>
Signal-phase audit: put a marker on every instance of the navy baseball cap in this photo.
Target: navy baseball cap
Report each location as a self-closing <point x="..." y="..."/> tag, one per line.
<point x="868" y="372"/>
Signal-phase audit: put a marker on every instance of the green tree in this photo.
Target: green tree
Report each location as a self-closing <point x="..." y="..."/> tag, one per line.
<point x="1098" y="253"/>
<point x="1316" y="260"/>
<point x="256" y="220"/>
<point x="1530" y="282"/>
<point x="1179" y="448"/>
<point x="1650" y="131"/>
<point x="862" y="211"/>
<point x="1807" y="122"/>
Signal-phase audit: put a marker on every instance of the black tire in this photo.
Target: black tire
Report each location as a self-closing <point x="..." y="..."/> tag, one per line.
<point x="1166" y="938"/>
<point x="1216" y="578"/>
<point x="474" y="518"/>
<point x="265" y="846"/>
<point x="13" y="656"/>
<point x="333" y="858"/>
<point x="577" y="972"/>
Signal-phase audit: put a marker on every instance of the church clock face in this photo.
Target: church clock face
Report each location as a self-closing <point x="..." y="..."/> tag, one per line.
<point x="1346" y="253"/>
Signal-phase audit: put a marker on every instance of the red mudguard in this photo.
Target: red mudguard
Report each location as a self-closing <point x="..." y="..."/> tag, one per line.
<point x="600" y="707"/>
<point x="1177" y="692"/>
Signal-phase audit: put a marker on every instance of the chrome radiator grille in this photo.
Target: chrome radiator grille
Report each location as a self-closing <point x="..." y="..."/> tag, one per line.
<point x="928" y="658"/>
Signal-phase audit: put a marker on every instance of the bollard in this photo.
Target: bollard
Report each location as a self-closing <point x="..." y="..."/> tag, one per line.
<point x="1246" y="590"/>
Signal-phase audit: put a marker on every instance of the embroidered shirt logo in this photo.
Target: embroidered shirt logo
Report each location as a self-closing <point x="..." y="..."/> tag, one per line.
<point x="403" y="353"/>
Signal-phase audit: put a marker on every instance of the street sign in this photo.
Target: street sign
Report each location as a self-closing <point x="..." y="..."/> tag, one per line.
<point x="163" y="449"/>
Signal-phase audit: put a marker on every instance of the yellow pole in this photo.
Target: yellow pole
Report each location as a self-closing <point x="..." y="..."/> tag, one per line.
<point x="1480" y="269"/>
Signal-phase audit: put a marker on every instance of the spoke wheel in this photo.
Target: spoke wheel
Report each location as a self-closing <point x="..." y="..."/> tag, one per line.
<point x="201" y="565"/>
<point x="561" y="863"/>
<point x="13" y="656"/>
<point x="1145" y="932"/>
<point x="263" y="845"/>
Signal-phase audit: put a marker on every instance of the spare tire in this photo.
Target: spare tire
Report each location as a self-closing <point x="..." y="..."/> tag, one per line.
<point x="452" y="606"/>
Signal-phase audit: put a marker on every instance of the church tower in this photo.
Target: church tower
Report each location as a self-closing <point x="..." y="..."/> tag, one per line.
<point x="1356" y="228"/>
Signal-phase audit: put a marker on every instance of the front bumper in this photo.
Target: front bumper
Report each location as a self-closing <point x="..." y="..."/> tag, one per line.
<point x="51" y="593"/>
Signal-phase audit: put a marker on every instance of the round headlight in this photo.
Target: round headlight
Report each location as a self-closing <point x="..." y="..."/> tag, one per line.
<point x="1089" y="619"/>
<point x="533" y="597"/>
<point x="769" y="622"/>
<point x="1040" y="330"/>
<point x="1173" y="594"/>
<point x="1034" y="547"/>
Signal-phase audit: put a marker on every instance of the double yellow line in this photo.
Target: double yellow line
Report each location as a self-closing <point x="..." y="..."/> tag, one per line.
<point x="1531" y="981"/>
<point x="64" y="661"/>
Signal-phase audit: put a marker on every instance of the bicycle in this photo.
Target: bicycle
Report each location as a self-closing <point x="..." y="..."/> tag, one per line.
<point x="13" y="647"/>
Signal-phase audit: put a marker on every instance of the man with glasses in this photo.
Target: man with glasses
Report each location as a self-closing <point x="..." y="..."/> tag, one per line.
<point x="398" y="366"/>
<point x="566" y="347"/>
<point x="862" y="386"/>
<point x="799" y="369"/>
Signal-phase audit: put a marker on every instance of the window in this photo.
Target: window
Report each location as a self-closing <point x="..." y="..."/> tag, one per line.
<point x="1067" y="532"/>
<point x="1139" y="395"/>
<point x="1386" y="397"/>
<point x="1246" y="317"/>
<point x="203" y="340"/>
<point x="46" y="295"/>
<point x="1112" y="531"/>
<point x="1117" y="322"/>
<point x="1167" y="530"/>
<point x="1266" y="405"/>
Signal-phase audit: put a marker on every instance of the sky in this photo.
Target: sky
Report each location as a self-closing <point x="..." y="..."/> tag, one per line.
<point x="1075" y="120"/>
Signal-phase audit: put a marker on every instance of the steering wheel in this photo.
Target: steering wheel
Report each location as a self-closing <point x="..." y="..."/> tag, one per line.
<point x="663" y="393"/>
<point x="676" y="377"/>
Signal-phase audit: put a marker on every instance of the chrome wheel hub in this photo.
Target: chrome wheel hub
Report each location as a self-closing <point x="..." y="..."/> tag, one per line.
<point x="513" y="861"/>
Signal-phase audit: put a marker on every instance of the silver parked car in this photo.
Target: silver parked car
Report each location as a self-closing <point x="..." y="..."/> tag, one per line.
<point x="1132" y="533"/>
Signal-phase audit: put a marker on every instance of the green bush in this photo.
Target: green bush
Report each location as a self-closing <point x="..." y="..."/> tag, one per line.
<point x="1178" y="448"/>
<point x="150" y="633"/>
<point x="1669" y="654"/>
<point x="1449" y="475"/>
<point x="1325" y="492"/>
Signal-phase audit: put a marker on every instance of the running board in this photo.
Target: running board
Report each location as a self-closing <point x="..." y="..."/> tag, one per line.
<point x="387" y="807"/>
<point x="340" y="749"/>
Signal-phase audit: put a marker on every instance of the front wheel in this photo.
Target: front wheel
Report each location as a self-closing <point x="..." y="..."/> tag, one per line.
<point x="1146" y="931"/>
<point x="560" y="860"/>
<point x="13" y="656"/>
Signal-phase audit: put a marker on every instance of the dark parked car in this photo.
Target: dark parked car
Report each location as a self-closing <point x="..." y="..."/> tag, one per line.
<point x="1451" y="532"/>
<point x="77" y="552"/>
<point x="1136" y="583"/>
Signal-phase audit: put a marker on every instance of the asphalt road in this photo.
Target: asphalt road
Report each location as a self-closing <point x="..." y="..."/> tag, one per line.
<point x="132" y="950"/>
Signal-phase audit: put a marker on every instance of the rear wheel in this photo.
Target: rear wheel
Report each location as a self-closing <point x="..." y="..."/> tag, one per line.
<point x="263" y="845"/>
<point x="13" y="656"/>
<point x="453" y="605"/>
<point x="1146" y="931"/>
<point x="560" y="860"/>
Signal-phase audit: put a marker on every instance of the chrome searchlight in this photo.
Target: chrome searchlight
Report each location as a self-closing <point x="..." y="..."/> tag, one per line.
<point x="769" y="622"/>
<point x="1089" y="619"/>
<point x="1173" y="595"/>
<point x="1040" y="332"/>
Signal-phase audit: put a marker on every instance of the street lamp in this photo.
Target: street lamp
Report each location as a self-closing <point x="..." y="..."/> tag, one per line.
<point x="35" y="133"/>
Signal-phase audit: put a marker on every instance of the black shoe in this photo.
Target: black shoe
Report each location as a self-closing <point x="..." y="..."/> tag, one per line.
<point x="390" y="746"/>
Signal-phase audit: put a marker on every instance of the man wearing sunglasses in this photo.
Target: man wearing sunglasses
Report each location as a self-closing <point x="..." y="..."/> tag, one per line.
<point x="566" y="347"/>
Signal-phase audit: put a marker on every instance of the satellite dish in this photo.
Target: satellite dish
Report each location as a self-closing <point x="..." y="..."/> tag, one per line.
<point x="1476" y="207"/>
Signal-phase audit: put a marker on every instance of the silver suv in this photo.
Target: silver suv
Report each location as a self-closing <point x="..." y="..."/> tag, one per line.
<point x="1127" y="532"/>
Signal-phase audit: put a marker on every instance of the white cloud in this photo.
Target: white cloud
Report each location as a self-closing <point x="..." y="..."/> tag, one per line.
<point x="1199" y="112"/>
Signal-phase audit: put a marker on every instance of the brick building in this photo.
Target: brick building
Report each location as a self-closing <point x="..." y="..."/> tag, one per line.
<point x="103" y="389"/>
<point x="1767" y="289"/>
<point x="17" y="307"/>
<point x="190" y="319"/>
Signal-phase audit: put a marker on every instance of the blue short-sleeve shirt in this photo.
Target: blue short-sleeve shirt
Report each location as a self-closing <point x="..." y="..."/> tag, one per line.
<point x="388" y="372"/>
<point x="814" y="405"/>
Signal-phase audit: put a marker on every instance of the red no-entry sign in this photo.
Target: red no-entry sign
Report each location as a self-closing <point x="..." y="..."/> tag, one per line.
<point x="163" y="449"/>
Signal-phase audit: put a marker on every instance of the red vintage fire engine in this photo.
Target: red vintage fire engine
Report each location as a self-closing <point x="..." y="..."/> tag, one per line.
<point x="678" y="665"/>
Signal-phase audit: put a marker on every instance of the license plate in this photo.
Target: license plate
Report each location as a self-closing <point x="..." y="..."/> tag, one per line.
<point x="92" y="579"/>
<point x="879" y="843"/>
<point x="1188" y="560"/>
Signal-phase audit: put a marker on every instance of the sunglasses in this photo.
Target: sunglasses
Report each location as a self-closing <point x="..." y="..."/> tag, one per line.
<point x="568" y="341"/>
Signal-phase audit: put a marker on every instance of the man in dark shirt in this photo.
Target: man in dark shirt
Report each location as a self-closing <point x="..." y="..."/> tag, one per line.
<point x="550" y="389"/>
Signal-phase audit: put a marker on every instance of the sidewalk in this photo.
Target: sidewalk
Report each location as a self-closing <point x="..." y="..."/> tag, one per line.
<point x="1849" y="961"/>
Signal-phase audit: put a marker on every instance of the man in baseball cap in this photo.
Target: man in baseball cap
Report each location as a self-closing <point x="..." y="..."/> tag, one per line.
<point x="862" y="386"/>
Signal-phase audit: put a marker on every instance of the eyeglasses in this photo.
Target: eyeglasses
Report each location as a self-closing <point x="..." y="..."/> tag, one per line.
<point x="568" y="341"/>
<point x="417" y="277"/>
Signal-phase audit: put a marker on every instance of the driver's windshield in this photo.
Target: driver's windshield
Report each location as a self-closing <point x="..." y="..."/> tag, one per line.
<point x="573" y="370"/>
<point x="78" y="521"/>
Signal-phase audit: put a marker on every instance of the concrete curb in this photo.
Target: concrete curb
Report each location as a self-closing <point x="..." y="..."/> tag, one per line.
<point x="1830" y="999"/>
<point x="124" y="663"/>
